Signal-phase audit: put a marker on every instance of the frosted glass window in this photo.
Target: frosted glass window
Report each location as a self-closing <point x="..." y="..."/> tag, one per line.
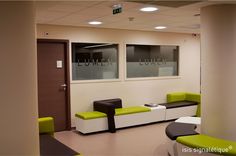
<point x="94" y="61"/>
<point x="151" y="60"/>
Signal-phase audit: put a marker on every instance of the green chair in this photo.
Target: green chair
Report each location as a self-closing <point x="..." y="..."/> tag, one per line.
<point x="46" y="125"/>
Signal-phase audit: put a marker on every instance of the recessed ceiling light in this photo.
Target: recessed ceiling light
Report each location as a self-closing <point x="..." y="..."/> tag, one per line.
<point x="160" y="27"/>
<point x="148" y="9"/>
<point x="95" y="22"/>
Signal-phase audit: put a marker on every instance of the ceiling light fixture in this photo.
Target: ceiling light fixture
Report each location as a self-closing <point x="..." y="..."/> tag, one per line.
<point x="160" y="27"/>
<point x="149" y="9"/>
<point x="95" y="22"/>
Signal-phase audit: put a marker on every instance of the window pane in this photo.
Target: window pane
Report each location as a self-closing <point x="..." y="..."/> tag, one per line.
<point x="151" y="60"/>
<point x="92" y="61"/>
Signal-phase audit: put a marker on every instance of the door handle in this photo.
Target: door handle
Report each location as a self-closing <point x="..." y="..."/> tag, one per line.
<point x="64" y="86"/>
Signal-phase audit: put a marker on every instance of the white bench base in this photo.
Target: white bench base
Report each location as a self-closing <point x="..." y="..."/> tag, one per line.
<point x="175" y="113"/>
<point x="156" y="114"/>
<point x="171" y="147"/>
<point x="100" y="124"/>
<point x="92" y="125"/>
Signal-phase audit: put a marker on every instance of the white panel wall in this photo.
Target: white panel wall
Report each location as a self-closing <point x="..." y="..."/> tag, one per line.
<point x="218" y="71"/>
<point x="18" y="92"/>
<point x="132" y="92"/>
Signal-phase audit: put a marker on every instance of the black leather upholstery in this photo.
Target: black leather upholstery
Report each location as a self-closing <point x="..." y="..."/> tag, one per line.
<point x="116" y="102"/>
<point x="178" y="104"/>
<point x="108" y="106"/>
<point x="49" y="146"/>
<point x="176" y="129"/>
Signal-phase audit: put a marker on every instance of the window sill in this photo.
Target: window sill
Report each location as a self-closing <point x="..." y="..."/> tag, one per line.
<point x="153" y="78"/>
<point x="95" y="81"/>
<point x="126" y="79"/>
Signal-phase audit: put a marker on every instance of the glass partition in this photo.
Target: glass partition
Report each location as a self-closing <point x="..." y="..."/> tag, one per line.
<point x="94" y="61"/>
<point x="151" y="60"/>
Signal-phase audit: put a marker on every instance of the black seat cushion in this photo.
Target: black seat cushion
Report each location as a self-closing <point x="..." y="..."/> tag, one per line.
<point x="171" y="105"/>
<point x="49" y="146"/>
<point x="176" y="129"/>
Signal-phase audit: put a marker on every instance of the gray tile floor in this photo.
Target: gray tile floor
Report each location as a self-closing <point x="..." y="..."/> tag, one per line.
<point x="148" y="140"/>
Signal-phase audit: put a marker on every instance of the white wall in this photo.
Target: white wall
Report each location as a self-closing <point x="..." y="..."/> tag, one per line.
<point x="218" y="71"/>
<point x="18" y="92"/>
<point x="132" y="92"/>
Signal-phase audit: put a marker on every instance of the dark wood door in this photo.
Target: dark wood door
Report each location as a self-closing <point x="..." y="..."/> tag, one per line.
<point x="52" y="82"/>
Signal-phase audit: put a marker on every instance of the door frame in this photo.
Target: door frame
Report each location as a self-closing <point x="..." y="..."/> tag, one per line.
<point x="67" y="76"/>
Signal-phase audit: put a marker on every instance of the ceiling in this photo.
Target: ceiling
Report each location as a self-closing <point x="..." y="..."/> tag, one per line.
<point x="177" y="16"/>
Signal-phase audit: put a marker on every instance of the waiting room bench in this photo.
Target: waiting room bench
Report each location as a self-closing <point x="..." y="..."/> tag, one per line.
<point x="206" y="143"/>
<point x="88" y="122"/>
<point x="109" y="114"/>
<point x="182" y="104"/>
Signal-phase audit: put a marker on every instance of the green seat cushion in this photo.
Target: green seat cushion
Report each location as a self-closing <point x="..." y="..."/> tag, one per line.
<point x="90" y="115"/>
<point x="46" y="125"/>
<point x="193" y="97"/>
<point x="174" y="97"/>
<point x="119" y="111"/>
<point x="196" y="98"/>
<point x="131" y="110"/>
<point x="198" y="114"/>
<point x="219" y="146"/>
